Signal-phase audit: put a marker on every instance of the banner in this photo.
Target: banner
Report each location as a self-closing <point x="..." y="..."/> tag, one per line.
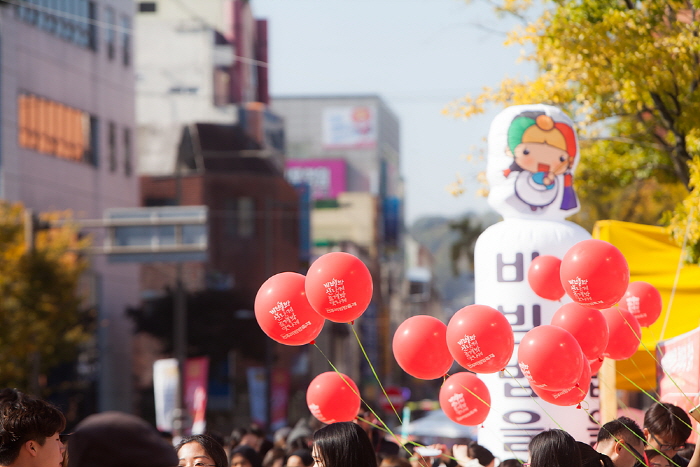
<point x="350" y="127"/>
<point x="196" y="377"/>
<point x="532" y="155"/>
<point x="166" y="390"/>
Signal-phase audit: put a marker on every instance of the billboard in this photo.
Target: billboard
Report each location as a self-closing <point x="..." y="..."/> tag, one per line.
<point x="350" y="127"/>
<point x="326" y="177"/>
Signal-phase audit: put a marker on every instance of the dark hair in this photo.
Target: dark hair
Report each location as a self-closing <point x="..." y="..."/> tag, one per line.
<point x="211" y="446"/>
<point x="304" y="455"/>
<point x="592" y="458"/>
<point x="554" y="448"/>
<point x="669" y="421"/>
<point x="480" y="453"/>
<point x="620" y="428"/>
<point x="344" y="444"/>
<point x="25" y="418"/>
<point x="249" y="453"/>
<point x="510" y="463"/>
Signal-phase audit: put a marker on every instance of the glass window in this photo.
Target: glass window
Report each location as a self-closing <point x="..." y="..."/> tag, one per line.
<point x="111" y="33"/>
<point x="112" y="141"/>
<point x="126" y="40"/>
<point x="128" y="163"/>
<point x="147" y="7"/>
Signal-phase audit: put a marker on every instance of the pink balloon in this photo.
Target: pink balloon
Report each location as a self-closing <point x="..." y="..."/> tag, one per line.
<point x="284" y="313"/>
<point x="420" y="347"/>
<point x="625" y="333"/>
<point x="643" y="300"/>
<point x="550" y="357"/>
<point x="333" y="397"/>
<point x="480" y="338"/>
<point x="465" y="399"/>
<point x="570" y="396"/>
<point x="339" y="286"/>
<point x="594" y="274"/>
<point x="587" y="325"/>
<point x="543" y="277"/>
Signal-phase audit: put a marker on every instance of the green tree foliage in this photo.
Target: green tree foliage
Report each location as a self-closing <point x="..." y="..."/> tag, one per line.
<point x="41" y="323"/>
<point x="628" y="73"/>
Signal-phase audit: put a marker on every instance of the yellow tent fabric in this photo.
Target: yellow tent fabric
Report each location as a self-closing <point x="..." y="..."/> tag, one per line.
<point x="654" y="257"/>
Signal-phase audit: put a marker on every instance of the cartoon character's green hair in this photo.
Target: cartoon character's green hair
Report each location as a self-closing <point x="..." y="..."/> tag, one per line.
<point x="516" y="130"/>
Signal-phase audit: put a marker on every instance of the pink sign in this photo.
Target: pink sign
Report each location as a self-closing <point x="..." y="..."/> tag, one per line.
<point x="678" y="372"/>
<point x="326" y="177"/>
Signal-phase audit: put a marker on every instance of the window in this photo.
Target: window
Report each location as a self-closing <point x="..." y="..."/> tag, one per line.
<point x="128" y="164"/>
<point x="126" y="40"/>
<point x="239" y="217"/>
<point x="71" y="20"/>
<point x="92" y="26"/>
<point x="147" y="7"/>
<point x="111" y="33"/>
<point x="56" y="129"/>
<point x="112" y="141"/>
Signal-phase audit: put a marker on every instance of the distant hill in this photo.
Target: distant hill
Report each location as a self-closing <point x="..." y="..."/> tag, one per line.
<point x="435" y="234"/>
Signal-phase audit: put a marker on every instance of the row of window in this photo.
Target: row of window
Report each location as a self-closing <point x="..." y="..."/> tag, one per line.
<point x="56" y="129"/>
<point x="79" y="21"/>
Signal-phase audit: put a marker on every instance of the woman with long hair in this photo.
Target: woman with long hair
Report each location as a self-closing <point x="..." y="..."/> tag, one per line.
<point x="201" y="451"/>
<point x="554" y="448"/>
<point x="343" y="444"/>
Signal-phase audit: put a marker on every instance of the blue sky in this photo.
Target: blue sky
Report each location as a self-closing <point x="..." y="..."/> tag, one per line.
<point x="418" y="55"/>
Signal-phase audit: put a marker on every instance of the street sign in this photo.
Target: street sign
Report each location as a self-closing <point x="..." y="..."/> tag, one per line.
<point x="156" y="234"/>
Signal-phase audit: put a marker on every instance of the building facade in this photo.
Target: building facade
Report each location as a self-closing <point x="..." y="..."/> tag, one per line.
<point x="67" y="142"/>
<point x="347" y="148"/>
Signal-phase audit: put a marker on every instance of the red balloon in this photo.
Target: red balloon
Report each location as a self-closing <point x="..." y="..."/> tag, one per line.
<point x="284" y="313"/>
<point x="333" y="397"/>
<point x="625" y="333"/>
<point x="643" y="301"/>
<point x="595" y="365"/>
<point x="587" y="325"/>
<point x="465" y="399"/>
<point x="570" y="396"/>
<point x="550" y="357"/>
<point x="420" y="347"/>
<point x="480" y="338"/>
<point x="339" y="286"/>
<point x="594" y="274"/>
<point x="543" y="277"/>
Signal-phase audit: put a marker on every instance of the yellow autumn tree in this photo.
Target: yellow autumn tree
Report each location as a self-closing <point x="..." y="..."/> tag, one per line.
<point x="41" y="318"/>
<point x="627" y="72"/>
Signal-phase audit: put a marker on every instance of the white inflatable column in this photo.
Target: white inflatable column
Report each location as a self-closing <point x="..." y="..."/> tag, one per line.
<point x="532" y="156"/>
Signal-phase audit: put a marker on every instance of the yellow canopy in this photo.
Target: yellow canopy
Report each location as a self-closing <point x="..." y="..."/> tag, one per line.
<point x="654" y="257"/>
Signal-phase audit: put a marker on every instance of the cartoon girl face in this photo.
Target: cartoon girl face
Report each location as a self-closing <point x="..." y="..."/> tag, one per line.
<point x="538" y="144"/>
<point x="541" y="157"/>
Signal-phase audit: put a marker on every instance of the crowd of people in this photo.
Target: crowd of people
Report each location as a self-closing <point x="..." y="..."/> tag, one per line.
<point x="32" y="435"/>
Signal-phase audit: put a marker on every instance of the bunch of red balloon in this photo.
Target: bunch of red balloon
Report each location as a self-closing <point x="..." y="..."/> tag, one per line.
<point x="478" y="337"/>
<point x="559" y="359"/>
<point x="291" y="309"/>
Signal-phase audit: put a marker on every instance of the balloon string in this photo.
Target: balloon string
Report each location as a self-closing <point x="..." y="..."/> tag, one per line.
<point x="375" y="375"/>
<point x="388" y="430"/>
<point x="620" y="440"/>
<point x="678" y="273"/>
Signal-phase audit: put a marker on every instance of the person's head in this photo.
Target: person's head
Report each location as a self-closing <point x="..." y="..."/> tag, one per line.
<point x="657" y="459"/>
<point x="666" y="428"/>
<point x="343" y="444"/>
<point x="300" y="458"/>
<point x="622" y="440"/>
<point x="29" y="429"/>
<point x="592" y="458"/>
<point x="245" y="456"/>
<point x="201" y="451"/>
<point x="510" y="463"/>
<point x="480" y="453"/>
<point x="275" y="457"/>
<point x="116" y="439"/>
<point x="394" y="461"/>
<point x="554" y="448"/>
